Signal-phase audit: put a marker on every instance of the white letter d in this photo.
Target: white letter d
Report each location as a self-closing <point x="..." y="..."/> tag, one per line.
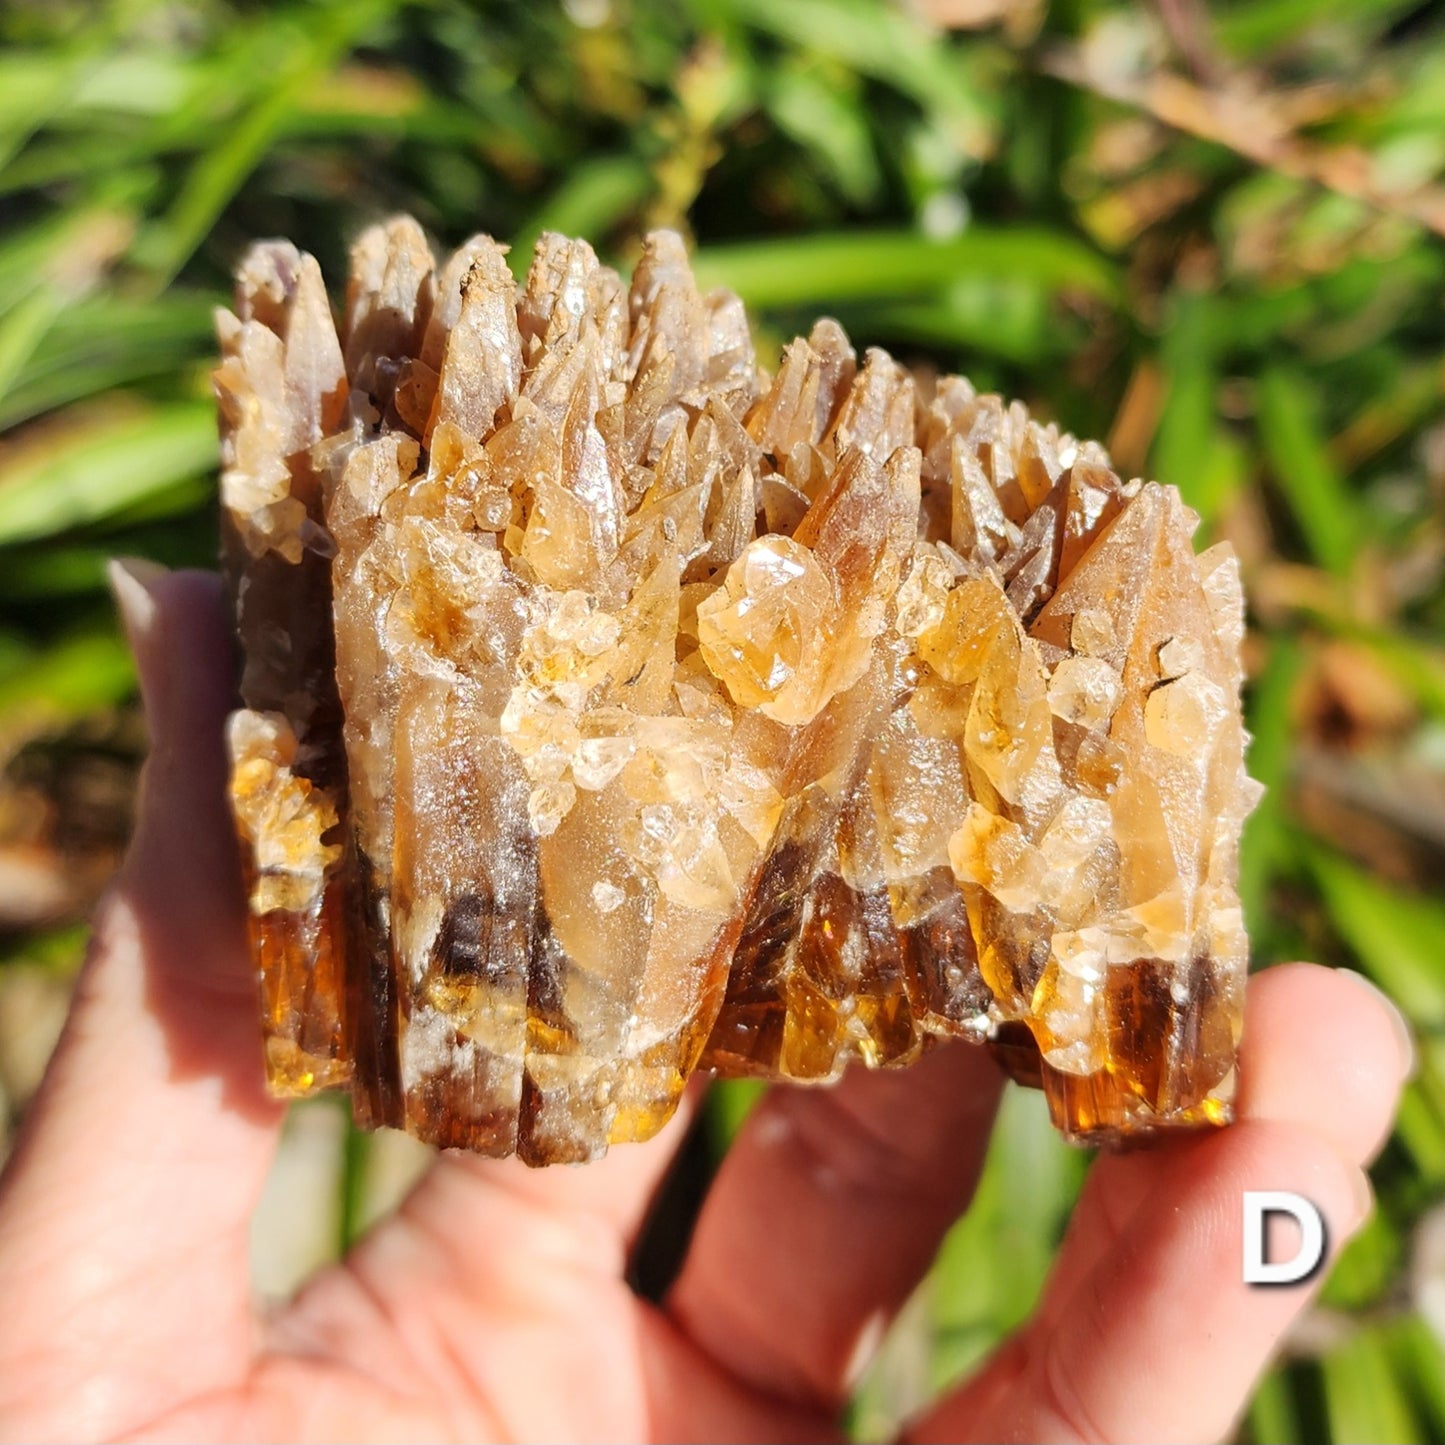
<point x="1258" y="1205"/>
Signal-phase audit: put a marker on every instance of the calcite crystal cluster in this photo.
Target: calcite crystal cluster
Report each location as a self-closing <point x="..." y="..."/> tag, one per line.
<point x="616" y="709"/>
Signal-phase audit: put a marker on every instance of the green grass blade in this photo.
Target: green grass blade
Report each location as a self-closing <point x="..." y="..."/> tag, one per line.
<point x="68" y="250"/>
<point x="1420" y="1354"/>
<point x="1364" y="1394"/>
<point x="22" y="330"/>
<point x="76" y="675"/>
<point x="1324" y="508"/>
<point x="1366" y="1267"/>
<point x="993" y="1263"/>
<point x="223" y="169"/>
<point x="729" y="1102"/>
<point x="1274" y="1417"/>
<point x="1266" y="848"/>
<point x="104" y="468"/>
<point x="1189" y="448"/>
<point x="870" y="265"/>
<point x="887" y="44"/>
<point x="351" y="1187"/>
<point x="1250" y="26"/>
<point x="53" y="572"/>
<point x="1421" y="1130"/>
<point x="33" y="87"/>
<point x="1398" y="936"/>
<point x="104" y="343"/>
<point x="1009" y="318"/>
<point x="825" y="119"/>
<point x="590" y="202"/>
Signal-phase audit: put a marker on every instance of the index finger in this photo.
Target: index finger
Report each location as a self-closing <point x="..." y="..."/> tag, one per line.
<point x="827" y="1212"/>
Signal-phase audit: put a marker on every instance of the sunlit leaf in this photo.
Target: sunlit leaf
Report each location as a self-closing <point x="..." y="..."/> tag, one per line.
<point x="807" y="270"/>
<point x="1324" y="509"/>
<point x="100" y="469"/>
<point x="77" y="675"/>
<point x="1398" y="936"/>
<point x="1362" y="1390"/>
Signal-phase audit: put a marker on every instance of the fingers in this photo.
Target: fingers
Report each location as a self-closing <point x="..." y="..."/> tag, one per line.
<point x="1148" y="1330"/>
<point x="1161" y="1340"/>
<point x="123" y="1216"/>
<point x="593" y="1213"/>
<point x="499" y="1291"/>
<point x="1305" y="1024"/>
<point x="1324" y="1049"/>
<point x="826" y="1214"/>
<point x="481" y="1233"/>
<point x="509" y="1278"/>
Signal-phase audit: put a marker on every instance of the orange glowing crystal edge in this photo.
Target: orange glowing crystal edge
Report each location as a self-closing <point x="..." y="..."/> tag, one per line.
<point x="614" y="709"/>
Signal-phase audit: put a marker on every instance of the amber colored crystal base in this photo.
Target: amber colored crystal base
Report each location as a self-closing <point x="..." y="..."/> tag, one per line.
<point x="614" y="710"/>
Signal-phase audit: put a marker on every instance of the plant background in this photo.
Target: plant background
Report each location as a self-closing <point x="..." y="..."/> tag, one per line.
<point x="1207" y="233"/>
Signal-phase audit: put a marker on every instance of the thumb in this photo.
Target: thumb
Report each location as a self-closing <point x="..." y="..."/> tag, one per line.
<point x="124" y="1211"/>
<point x="175" y="623"/>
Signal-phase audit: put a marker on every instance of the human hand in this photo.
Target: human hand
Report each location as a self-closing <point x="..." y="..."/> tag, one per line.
<point x="493" y="1304"/>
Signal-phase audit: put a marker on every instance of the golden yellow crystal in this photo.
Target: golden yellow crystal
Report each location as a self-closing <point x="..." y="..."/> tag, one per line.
<point x="614" y="710"/>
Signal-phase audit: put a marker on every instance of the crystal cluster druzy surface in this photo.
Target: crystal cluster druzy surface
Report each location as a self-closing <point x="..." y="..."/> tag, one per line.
<point x="615" y="709"/>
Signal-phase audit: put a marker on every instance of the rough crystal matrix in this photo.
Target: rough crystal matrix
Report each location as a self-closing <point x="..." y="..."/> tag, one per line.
<point x="615" y="709"/>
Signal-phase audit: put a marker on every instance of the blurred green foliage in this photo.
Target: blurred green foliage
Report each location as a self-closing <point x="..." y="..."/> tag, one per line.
<point x="1210" y="235"/>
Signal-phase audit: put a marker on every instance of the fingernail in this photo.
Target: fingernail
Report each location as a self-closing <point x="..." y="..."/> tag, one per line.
<point x="130" y="579"/>
<point x="1403" y="1037"/>
<point x="1364" y="1195"/>
<point x="865" y="1347"/>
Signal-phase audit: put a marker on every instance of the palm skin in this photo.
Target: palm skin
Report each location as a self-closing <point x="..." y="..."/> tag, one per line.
<point x="493" y="1304"/>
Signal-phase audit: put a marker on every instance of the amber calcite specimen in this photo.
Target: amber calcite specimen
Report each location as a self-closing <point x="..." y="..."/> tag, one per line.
<point x="616" y="709"/>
